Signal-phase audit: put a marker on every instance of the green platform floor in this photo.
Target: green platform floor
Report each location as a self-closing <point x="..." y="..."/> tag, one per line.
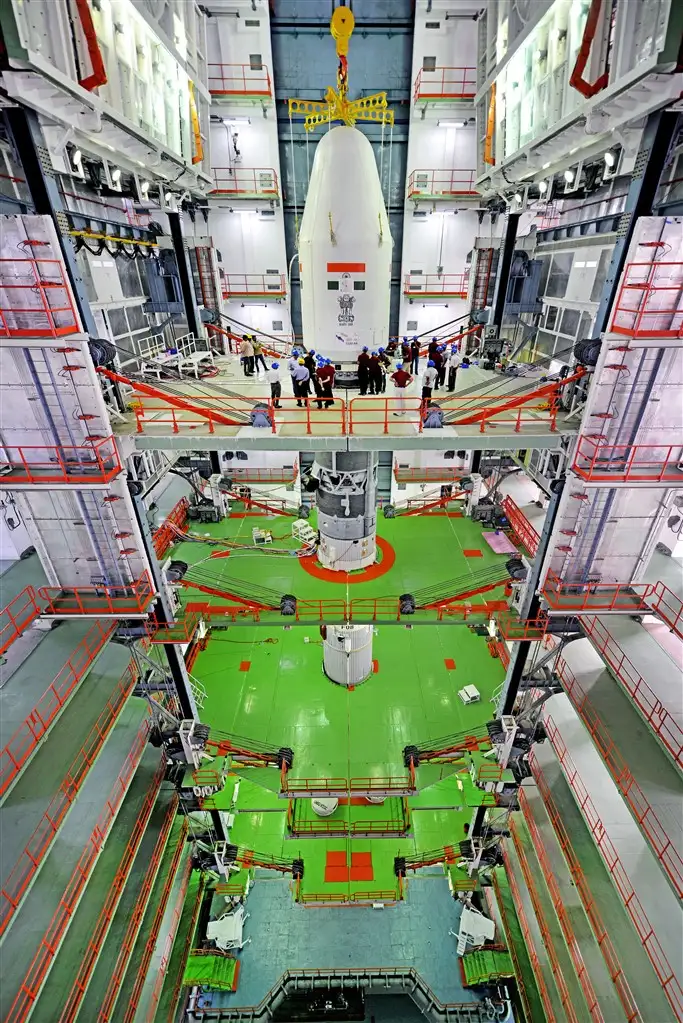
<point x="515" y="939"/>
<point x="166" y="1009"/>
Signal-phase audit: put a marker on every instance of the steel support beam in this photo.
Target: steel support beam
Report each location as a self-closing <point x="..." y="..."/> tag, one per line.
<point x="504" y="267"/>
<point x="186" y="287"/>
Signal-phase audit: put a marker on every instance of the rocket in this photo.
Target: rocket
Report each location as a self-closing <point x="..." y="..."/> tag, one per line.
<point x="345" y="250"/>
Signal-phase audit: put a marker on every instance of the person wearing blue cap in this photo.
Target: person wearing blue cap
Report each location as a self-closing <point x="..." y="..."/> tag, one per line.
<point x="428" y="380"/>
<point x="452" y="364"/>
<point x="415" y="352"/>
<point x="401" y="379"/>
<point x="273" y="378"/>
<point x="437" y="359"/>
<point x="441" y="370"/>
<point x="363" y="370"/>
<point x="326" y="378"/>
<point x="375" y="373"/>
<point x="384" y="363"/>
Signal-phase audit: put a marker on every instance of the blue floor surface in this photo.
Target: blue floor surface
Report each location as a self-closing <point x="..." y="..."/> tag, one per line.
<point x="287" y="936"/>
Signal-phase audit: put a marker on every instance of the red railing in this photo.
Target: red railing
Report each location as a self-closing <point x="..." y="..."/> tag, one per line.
<point x="663" y="724"/>
<point x="668" y="606"/>
<point x="558" y="976"/>
<point x="51" y="940"/>
<point x="130" y="937"/>
<point x="645" y="815"/>
<point x="562" y="914"/>
<point x="27" y="736"/>
<point x="597" y="460"/>
<point x="502" y="653"/>
<point x="165" y="536"/>
<point x="574" y="596"/>
<point x="239" y="80"/>
<point x="386" y="895"/>
<point x="99" y="934"/>
<point x="181" y="630"/>
<point x="397" y="786"/>
<point x="87" y="600"/>
<point x="246" y="181"/>
<point x="96" y="463"/>
<point x="436" y="285"/>
<point x="442" y="184"/>
<point x="247" y="475"/>
<point x="528" y="940"/>
<point x="514" y="629"/>
<point x="510" y="944"/>
<point x="143" y="966"/>
<point x="168" y="948"/>
<point x="520" y="526"/>
<point x="351" y="828"/>
<point x="634" y="908"/>
<point x="17" y="882"/>
<point x="253" y="285"/>
<point x="601" y="933"/>
<point x="649" y="301"/>
<point x="35" y="299"/>
<point x="16" y="617"/>
<point x="443" y="83"/>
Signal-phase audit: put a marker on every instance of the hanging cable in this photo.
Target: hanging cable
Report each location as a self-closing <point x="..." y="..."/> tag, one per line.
<point x="381" y="164"/>
<point x="296" y="208"/>
<point x="391" y="143"/>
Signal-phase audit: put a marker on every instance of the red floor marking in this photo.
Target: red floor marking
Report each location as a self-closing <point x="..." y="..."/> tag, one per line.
<point x="335" y="858"/>
<point x="220" y="554"/>
<point x="361" y="867"/>
<point x="450" y="663"/>
<point x="314" y="568"/>
<point x="473" y="554"/>
<point x="336" y="874"/>
<point x="353" y="801"/>
<point x="245" y="665"/>
<point x="375" y="667"/>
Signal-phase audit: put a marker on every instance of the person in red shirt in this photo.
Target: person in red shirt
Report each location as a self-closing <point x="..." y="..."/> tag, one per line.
<point x="326" y="378"/>
<point x="401" y="379"/>
<point x="363" y="371"/>
<point x="437" y="359"/>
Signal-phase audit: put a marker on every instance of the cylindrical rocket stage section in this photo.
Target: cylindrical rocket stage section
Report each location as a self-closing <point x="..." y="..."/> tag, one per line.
<point x="347" y="654"/>
<point x="347" y="513"/>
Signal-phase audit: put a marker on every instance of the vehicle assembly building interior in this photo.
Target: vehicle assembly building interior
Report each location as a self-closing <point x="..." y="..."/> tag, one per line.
<point x="341" y="511"/>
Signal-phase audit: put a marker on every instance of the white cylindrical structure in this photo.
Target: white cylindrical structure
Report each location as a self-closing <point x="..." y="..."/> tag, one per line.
<point x="345" y="250"/>
<point x="324" y="807"/>
<point x="347" y="653"/>
<point x="346" y="500"/>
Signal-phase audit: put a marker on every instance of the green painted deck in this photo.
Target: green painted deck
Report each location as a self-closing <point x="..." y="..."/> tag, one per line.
<point x="515" y="939"/>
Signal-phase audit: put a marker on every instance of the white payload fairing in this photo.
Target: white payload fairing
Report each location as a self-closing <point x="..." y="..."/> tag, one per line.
<point x="345" y="250"/>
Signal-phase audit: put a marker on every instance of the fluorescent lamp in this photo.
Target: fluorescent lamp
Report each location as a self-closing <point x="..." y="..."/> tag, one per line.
<point x="236" y="120"/>
<point x="543" y="187"/>
<point x="519" y="198"/>
<point x="610" y="158"/>
<point x="569" y="176"/>
<point x="451" y="124"/>
<point x="116" y="175"/>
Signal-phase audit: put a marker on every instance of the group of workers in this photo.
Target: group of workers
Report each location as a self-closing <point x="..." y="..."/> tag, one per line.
<point x="251" y="353"/>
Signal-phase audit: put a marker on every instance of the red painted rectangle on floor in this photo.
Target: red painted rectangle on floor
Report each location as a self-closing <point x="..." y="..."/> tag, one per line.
<point x="245" y="665"/>
<point x="375" y="667"/>
<point x="335" y="875"/>
<point x="335" y="858"/>
<point x="361" y="867"/>
<point x="450" y="663"/>
<point x="473" y="554"/>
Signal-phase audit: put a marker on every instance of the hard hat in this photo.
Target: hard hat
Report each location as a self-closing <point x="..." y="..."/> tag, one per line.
<point x="365" y="348"/>
<point x="415" y="338"/>
<point x="300" y="361"/>
<point x="435" y="339"/>
<point x="311" y="351"/>
<point x="275" y="365"/>
<point x="381" y="350"/>
<point x="399" y="365"/>
<point x="431" y="363"/>
<point x="373" y="353"/>
<point x="295" y="353"/>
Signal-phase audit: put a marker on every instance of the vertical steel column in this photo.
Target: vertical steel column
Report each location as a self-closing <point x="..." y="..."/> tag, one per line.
<point x="186" y="287"/>
<point x="504" y="267"/>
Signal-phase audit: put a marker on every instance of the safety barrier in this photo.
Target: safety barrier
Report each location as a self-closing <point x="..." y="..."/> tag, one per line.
<point x="441" y="184"/>
<point x="287" y="474"/>
<point x="663" y="724"/>
<point x="253" y="285"/>
<point x="387" y="895"/>
<point x="39" y="844"/>
<point x="16" y="617"/>
<point x="342" y="787"/>
<point x="130" y="937"/>
<point x="560" y="909"/>
<point x="609" y="953"/>
<point x="245" y="181"/>
<point x="51" y="940"/>
<point x="364" y="610"/>
<point x="649" y="301"/>
<point x="516" y="630"/>
<point x="239" y="80"/>
<point x="510" y="945"/>
<point x="528" y="940"/>
<point x="445" y="83"/>
<point x="378" y="829"/>
<point x="146" y="958"/>
<point x="25" y="739"/>
<point x="97" y="462"/>
<point x="558" y="976"/>
<point x="189" y="940"/>
<point x="577" y="597"/>
<point x="634" y="908"/>
<point x="120" y="601"/>
<point x="645" y="815"/>
<point x="164" y="537"/>
<point x="99" y="934"/>
<point x="36" y="299"/>
<point x="668" y="606"/>
<point x="181" y="630"/>
<point x="597" y="460"/>
<point x="168" y="947"/>
<point x="520" y="526"/>
<point x="436" y="285"/>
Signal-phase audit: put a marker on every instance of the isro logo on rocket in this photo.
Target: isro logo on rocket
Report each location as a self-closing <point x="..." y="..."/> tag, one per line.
<point x="346" y="301"/>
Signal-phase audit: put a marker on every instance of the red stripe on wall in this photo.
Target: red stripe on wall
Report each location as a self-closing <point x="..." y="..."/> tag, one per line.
<point x="346" y="268"/>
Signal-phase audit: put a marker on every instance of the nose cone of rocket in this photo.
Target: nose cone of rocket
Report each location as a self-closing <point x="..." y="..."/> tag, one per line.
<point x="345" y="249"/>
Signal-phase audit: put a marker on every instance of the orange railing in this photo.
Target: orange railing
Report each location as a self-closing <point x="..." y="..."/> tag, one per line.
<point x="27" y="736"/>
<point x="436" y="285"/>
<point x="168" y="947"/>
<point x="558" y="976"/>
<point x="246" y="181"/>
<point x="596" y="459"/>
<point x="649" y="301"/>
<point x="248" y="475"/>
<point x="386" y="895"/>
<point x="351" y="828"/>
<point x="16" y="617"/>
<point x="514" y="629"/>
<point x="576" y="596"/>
<point x="35" y="299"/>
<point x="668" y="606"/>
<point x="88" y="600"/>
<point x="663" y="724"/>
<point x="509" y="944"/>
<point x="146" y="958"/>
<point x="601" y="933"/>
<point x="444" y="184"/>
<point x="634" y="908"/>
<point x="51" y="940"/>
<point x="17" y="882"/>
<point x="645" y="815"/>
<point x="181" y="630"/>
<point x="562" y="914"/>
<point x="239" y="80"/>
<point x="528" y="940"/>
<point x="446" y="83"/>
<point x="253" y="286"/>
<point x="96" y="463"/>
<point x="98" y="936"/>
<point x="520" y="526"/>
<point x="130" y="937"/>
<point x="164" y="537"/>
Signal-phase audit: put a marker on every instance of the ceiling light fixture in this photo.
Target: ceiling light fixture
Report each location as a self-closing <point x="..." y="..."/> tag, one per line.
<point x="116" y="175"/>
<point x="610" y="158"/>
<point x="543" y="187"/>
<point x="569" y="176"/>
<point x="519" y="198"/>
